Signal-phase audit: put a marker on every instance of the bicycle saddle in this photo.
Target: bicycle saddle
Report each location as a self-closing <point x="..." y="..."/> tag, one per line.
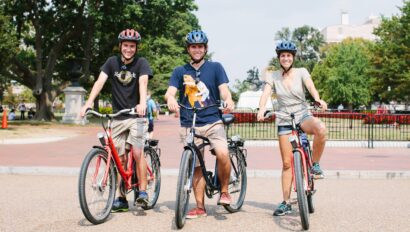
<point x="228" y="118"/>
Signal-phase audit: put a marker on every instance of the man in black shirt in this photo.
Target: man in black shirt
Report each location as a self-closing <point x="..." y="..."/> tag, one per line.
<point x="128" y="76"/>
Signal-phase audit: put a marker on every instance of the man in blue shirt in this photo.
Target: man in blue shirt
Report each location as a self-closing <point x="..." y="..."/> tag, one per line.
<point x="202" y="83"/>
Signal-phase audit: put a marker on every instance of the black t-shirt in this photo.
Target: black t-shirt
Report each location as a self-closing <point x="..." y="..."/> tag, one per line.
<point x="125" y="80"/>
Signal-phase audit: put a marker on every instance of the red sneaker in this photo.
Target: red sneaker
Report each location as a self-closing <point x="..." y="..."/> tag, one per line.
<point x="225" y="199"/>
<point x="196" y="213"/>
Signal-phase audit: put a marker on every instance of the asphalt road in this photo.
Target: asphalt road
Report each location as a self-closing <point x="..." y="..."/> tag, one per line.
<point x="50" y="203"/>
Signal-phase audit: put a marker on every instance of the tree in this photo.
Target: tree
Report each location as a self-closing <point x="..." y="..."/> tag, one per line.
<point x="39" y="25"/>
<point x="53" y="32"/>
<point x="391" y="58"/>
<point x="308" y="41"/>
<point x="343" y="75"/>
<point x="8" y="48"/>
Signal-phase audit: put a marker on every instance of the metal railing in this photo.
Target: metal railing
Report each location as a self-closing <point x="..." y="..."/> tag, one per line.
<point x="351" y="126"/>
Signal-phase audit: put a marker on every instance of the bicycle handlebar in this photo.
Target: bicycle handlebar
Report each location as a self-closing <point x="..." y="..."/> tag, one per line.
<point x="200" y="108"/>
<point x="269" y="113"/>
<point x="100" y="115"/>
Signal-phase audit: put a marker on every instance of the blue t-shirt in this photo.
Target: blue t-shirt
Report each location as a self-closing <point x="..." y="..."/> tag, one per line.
<point x="151" y="107"/>
<point x="199" y="88"/>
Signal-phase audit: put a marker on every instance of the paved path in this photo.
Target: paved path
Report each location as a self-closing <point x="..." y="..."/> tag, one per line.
<point x="69" y="153"/>
<point x="344" y="201"/>
<point x="50" y="204"/>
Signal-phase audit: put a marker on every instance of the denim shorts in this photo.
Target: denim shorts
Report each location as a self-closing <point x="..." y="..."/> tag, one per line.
<point x="287" y="129"/>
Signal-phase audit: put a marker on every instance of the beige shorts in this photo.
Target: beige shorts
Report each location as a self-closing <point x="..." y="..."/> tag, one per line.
<point x="214" y="132"/>
<point x="131" y="131"/>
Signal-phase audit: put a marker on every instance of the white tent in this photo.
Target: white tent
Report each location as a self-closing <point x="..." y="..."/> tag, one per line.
<point x="250" y="100"/>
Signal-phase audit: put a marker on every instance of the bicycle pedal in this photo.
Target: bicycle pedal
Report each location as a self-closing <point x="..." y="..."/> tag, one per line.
<point x="318" y="177"/>
<point x="312" y="192"/>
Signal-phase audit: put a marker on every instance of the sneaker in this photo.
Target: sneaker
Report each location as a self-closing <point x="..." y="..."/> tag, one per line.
<point x="196" y="213"/>
<point x="282" y="209"/>
<point x="224" y="199"/>
<point x="120" y="205"/>
<point x="142" y="198"/>
<point x="317" y="172"/>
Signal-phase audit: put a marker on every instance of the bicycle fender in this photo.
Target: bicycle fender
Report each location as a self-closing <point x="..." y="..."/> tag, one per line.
<point x="99" y="147"/>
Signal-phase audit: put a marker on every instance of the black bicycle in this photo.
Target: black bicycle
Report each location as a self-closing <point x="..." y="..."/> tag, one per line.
<point x="192" y="152"/>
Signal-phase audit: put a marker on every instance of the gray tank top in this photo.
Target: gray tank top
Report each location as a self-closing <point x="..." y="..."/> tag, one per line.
<point x="291" y="100"/>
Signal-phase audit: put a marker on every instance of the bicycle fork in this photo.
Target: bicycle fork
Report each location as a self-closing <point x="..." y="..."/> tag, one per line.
<point x="188" y="185"/>
<point x="304" y="167"/>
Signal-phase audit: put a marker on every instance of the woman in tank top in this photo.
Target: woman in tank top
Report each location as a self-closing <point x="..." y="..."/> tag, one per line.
<point x="289" y="84"/>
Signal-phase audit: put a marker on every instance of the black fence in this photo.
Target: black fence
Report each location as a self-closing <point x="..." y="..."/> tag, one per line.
<point x="353" y="126"/>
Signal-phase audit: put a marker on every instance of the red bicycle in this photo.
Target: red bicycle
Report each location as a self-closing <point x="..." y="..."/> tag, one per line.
<point x="98" y="175"/>
<point x="302" y="178"/>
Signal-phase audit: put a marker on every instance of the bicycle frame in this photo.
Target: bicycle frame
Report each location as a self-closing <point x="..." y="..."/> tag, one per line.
<point x="113" y="155"/>
<point x="295" y="140"/>
<point x="196" y="150"/>
<point x="297" y="146"/>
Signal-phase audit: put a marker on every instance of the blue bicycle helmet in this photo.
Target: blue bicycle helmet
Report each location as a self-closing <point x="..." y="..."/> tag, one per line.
<point x="196" y="37"/>
<point x="286" y="46"/>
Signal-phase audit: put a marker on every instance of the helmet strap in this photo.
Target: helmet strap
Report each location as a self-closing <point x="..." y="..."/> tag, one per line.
<point x="286" y="70"/>
<point x="128" y="60"/>
<point x="200" y="60"/>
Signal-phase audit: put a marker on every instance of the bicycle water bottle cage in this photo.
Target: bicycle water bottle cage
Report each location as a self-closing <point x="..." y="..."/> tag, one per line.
<point x="209" y="174"/>
<point x="294" y="141"/>
<point x="189" y="138"/>
<point x="101" y="136"/>
<point x="304" y="139"/>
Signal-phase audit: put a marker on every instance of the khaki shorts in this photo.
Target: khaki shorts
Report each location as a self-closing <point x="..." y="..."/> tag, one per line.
<point x="131" y="131"/>
<point x="214" y="132"/>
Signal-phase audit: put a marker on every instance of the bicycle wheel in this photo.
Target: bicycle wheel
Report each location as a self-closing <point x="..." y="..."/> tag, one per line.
<point x="238" y="180"/>
<point x="183" y="187"/>
<point x="153" y="177"/>
<point x="300" y="190"/>
<point x="96" y="197"/>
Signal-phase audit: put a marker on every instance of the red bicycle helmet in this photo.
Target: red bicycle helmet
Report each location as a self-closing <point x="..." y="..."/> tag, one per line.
<point x="129" y="35"/>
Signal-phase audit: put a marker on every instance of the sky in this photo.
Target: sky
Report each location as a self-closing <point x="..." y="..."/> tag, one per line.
<point x="241" y="32"/>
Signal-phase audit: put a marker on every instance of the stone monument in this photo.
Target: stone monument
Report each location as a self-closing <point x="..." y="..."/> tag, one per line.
<point x="74" y="96"/>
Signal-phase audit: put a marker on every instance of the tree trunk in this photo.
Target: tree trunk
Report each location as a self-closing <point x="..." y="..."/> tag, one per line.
<point x="43" y="106"/>
<point x="350" y="107"/>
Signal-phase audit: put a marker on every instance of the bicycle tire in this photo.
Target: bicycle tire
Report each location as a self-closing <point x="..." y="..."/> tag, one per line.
<point x="154" y="180"/>
<point x="182" y="195"/>
<point x="95" y="200"/>
<point x="300" y="190"/>
<point x="238" y="180"/>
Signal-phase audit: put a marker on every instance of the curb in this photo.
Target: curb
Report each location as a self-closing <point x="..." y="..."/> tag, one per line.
<point x="253" y="173"/>
<point x="360" y="144"/>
